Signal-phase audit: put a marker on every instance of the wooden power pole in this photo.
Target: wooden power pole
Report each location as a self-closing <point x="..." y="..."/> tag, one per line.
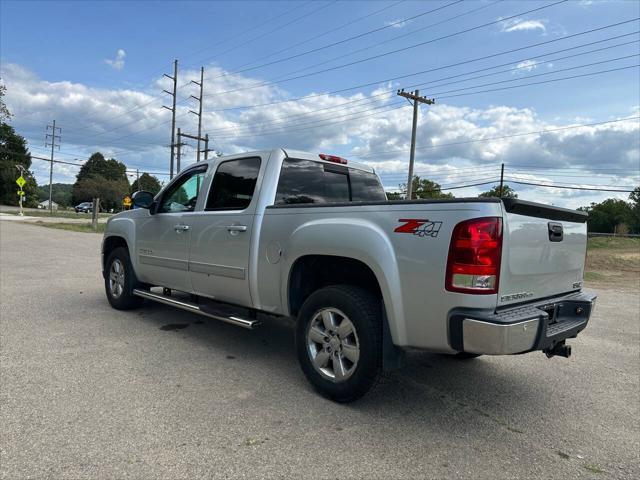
<point x="199" y="113"/>
<point x="415" y="99"/>
<point x="50" y="138"/>
<point x="174" y="78"/>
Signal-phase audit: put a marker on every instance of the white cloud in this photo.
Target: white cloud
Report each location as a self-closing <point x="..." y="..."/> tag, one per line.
<point x="519" y="25"/>
<point x="397" y="23"/>
<point x="118" y="62"/>
<point x="527" y="65"/>
<point x="130" y="125"/>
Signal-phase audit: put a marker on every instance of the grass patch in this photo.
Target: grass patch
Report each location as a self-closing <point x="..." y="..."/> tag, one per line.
<point x="591" y="276"/>
<point x="74" y="227"/>
<point x="594" y="468"/>
<point x="56" y="213"/>
<point x="613" y="243"/>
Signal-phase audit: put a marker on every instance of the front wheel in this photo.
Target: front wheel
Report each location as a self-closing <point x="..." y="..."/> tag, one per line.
<point x="120" y="280"/>
<point x="339" y="341"/>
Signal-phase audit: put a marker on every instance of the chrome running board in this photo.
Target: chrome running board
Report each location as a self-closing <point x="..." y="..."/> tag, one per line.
<point x="195" y="308"/>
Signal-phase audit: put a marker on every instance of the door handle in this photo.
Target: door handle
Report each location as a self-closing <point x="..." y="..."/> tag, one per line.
<point x="181" y="228"/>
<point x="237" y="228"/>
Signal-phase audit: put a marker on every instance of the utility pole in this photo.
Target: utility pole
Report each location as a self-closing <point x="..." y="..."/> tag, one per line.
<point x="51" y="137"/>
<point x="206" y="146"/>
<point x="174" y="78"/>
<point x="179" y="151"/>
<point x="501" y="180"/>
<point x="138" y="178"/>
<point x="199" y="113"/>
<point x="415" y="99"/>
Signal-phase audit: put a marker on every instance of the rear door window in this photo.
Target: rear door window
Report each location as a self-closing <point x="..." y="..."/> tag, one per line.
<point x="233" y="185"/>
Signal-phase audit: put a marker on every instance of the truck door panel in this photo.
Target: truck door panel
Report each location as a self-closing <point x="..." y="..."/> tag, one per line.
<point x="220" y="238"/>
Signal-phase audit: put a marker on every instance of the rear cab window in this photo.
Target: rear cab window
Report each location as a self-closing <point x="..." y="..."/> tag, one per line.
<point x="308" y="181"/>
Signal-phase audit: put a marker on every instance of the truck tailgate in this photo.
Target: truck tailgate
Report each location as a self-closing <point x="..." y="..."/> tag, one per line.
<point x="543" y="251"/>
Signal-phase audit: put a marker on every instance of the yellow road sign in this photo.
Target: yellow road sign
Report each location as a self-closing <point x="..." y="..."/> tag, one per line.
<point x="127" y="201"/>
<point x="21" y="181"/>
<point x="20" y="192"/>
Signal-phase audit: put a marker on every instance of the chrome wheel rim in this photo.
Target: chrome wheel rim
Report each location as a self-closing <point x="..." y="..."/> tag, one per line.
<point x="332" y="343"/>
<point x="116" y="278"/>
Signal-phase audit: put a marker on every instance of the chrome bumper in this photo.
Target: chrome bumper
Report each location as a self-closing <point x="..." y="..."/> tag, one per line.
<point x="496" y="339"/>
<point x="536" y="325"/>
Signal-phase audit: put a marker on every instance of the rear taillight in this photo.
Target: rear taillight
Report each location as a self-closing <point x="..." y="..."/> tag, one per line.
<point x="473" y="265"/>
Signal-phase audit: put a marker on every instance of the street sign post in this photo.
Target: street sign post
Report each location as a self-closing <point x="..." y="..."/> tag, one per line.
<point x="21" y="183"/>
<point x="127" y="201"/>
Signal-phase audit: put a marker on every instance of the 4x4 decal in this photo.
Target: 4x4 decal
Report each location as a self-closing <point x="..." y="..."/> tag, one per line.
<point x="420" y="227"/>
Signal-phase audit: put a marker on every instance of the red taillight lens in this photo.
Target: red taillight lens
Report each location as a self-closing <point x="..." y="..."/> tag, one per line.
<point x="473" y="265"/>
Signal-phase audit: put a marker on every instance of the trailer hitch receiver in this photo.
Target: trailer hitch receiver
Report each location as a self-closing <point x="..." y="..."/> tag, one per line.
<point x="560" y="349"/>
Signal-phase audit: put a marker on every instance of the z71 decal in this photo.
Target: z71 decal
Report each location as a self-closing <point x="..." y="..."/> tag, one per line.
<point x="420" y="227"/>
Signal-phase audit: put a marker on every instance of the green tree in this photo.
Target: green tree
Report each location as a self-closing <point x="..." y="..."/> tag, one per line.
<point x="13" y="152"/>
<point x="507" y="192"/>
<point x="148" y="183"/>
<point x="5" y="114"/>
<point x="606" y="216"/>
<point x="424" y="188"/>
<point x="394" y="196"/>
<point x="634" y="211"/>
<point x="106" y="179"/>
<point x="61" y="193"/>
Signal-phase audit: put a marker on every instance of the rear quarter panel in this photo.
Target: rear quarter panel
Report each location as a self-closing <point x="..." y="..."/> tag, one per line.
<point x="410" y="268"/>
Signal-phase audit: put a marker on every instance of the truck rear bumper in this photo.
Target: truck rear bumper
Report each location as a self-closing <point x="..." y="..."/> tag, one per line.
<point x="538" y="325"/>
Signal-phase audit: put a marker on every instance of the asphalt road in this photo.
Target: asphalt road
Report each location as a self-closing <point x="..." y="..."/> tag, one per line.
<point x="90" y="392"/>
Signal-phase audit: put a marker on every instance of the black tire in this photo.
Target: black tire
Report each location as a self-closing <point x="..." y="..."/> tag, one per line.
<point x="125" y="300"/>
<point x="364" y="311"/>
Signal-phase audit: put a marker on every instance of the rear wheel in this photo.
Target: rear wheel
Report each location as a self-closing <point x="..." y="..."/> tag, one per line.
<point x="120" y="280"/>
<point x="339" y="341"/>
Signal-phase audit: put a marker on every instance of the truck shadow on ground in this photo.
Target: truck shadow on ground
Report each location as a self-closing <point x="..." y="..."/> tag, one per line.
<point x="429" y="387"/>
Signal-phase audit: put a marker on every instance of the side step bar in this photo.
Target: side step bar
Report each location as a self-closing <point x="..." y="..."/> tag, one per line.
<point x="195" y="308"/>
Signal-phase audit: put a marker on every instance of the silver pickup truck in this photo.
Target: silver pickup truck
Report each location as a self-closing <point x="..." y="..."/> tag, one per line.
<point x="248" y="237"/>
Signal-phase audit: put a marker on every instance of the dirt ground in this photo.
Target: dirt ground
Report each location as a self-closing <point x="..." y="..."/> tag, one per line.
<point x="613" y="262"/>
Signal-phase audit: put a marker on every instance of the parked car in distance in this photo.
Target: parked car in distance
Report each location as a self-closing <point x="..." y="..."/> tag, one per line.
<point x="249" y="237"/>
<point x="84" y="207"/>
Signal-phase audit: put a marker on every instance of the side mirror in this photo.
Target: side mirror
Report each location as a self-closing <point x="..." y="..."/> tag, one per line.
<point x="143" y="199"/>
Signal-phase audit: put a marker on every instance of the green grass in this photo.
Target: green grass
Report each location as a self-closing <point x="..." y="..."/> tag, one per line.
<point x="32" y="212"/>
<point x="73" y="227"/>
<point x="594" y="468"/>
<point x="613" y="243"/>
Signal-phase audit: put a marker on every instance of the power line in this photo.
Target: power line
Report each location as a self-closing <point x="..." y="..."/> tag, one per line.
<point x="355" y="62"/>
<point x="502" y="137"/>
<point x="389" y="40"/>
<point x="413" y="74"/>
<point x="345" y="40"/>
<point x="378" y="97"/>
<point x="463" y="62"/>
<point x="298" y="43"/>
<point x="571" y="188"/>
<point x="331" y="123"/>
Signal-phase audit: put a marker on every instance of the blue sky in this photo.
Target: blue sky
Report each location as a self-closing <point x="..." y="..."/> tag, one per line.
<point x="97" y="68"/>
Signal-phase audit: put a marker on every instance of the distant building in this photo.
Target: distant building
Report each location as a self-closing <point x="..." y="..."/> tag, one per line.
<point x="45" y="205"/>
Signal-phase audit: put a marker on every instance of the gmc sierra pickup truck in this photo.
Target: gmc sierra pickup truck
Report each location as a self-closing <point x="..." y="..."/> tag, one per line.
<point x="248" y="237"/>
